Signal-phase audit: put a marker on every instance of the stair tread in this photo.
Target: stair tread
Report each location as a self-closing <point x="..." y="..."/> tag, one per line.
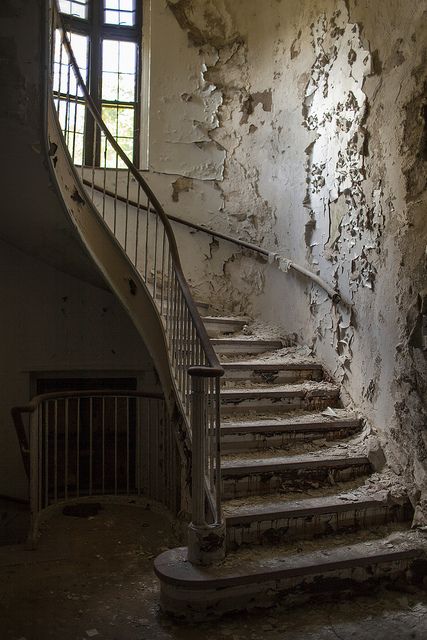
<point x="247" y="341"/>
<point x="274" y="563"/>
<point x="292" y="420"/>
<point x="226" y="319"/>
<point x="308" y="387"/>
<point x="199" y="303"/>
<point x="270" y="365"/>
<point x="245" y="462"/>
<point x="279" y="506"/>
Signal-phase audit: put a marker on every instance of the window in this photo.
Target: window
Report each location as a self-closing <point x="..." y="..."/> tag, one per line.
<point x="106" y="39"/>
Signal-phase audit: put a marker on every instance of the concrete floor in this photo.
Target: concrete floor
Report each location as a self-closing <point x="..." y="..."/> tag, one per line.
<point x="92" y="578"/>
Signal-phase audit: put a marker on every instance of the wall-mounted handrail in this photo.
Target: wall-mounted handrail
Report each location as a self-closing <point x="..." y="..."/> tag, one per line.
<point x="265" y="253"/>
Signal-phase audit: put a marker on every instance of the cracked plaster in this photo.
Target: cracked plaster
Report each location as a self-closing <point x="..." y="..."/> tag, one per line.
<point x="315" y="113"/>
<point x="301" y="126"/>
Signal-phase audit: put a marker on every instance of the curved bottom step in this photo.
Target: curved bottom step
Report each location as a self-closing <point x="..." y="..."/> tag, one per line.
<point x="190" y="591"/>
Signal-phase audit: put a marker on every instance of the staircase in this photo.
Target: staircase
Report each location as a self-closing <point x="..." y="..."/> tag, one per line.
<point x="305" y="511"/>
<point x="289" y="505"/>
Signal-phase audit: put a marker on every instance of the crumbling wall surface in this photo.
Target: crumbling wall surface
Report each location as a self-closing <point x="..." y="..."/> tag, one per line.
<point x="206" y="120"/>
<point x="362" y="76"/>
<point x="365" y="199"/>
<point x="315" y="113"/>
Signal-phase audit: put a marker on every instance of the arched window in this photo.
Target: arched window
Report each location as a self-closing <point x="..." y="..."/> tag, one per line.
<point x="106" y="37"/>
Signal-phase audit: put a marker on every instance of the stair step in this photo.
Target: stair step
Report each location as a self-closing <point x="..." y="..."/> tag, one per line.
<point x="271" y="372"/>
<point x="278" y="520"/>
<point x="244" y="345"/>
<point x="203" y="307"/>
<point x="245" y="581"/>
<point x="307" y="395"/>
<point x="249" y="476"/>
<point x="279" y="432"/>
<point x="216" y="326"/>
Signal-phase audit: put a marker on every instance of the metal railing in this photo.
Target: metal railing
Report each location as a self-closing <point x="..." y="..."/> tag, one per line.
<point x="150" y="244"/>
<point x="81" y="444"/>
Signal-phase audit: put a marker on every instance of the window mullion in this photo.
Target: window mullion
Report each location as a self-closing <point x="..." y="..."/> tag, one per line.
<point x="93" y="143"/>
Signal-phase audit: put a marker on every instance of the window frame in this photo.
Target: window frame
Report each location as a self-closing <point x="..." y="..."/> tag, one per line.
<point x="97" y="31"/>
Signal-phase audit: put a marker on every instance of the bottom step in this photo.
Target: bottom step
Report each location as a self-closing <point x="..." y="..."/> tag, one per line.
<point x="258" y="580"/>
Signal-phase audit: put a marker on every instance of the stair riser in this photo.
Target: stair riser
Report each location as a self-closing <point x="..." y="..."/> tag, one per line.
<point x="217" y="329"/>
<point x="225" y="349"/>
<point x="196" y="603"/>
<point x="305" y="527"/>
<point x="259" y="483"/>
<point x="261" y="441"/>
<point x="278" y="377"/>
<point x="202" y="308"/>
<point x="279" y="404"/>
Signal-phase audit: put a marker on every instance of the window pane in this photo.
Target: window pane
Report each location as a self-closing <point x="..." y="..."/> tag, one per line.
<point x="119" y="120"/>
<point x="79" y="45"/>
<point x="118" y="56"/>
<point x="127" y="146"/>
<point x="125" y="123"/>
<point x="72" y="120"/>
<point x="126" y="87"/>
<point x="110" y="86"/>
<point x="64" y="80"/>
<point x="110" y="55"/>
<point x="127" y="58"/>
<point x="118" y="87"/>
<point x="109" y="158"/>
<point x="76" y="8"/>
<point x="120" y="12"/>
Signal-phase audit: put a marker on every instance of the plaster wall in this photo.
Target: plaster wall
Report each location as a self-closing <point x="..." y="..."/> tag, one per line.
<point x="301" y="126"/>
<point x="54" y="324"/>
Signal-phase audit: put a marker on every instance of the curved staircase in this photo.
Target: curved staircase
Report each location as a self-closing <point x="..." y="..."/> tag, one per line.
<point x="305" y="511"/>
<point x="292" y="498"/>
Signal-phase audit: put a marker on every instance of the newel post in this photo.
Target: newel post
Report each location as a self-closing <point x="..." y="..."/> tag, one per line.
<point x="206" y="542"/>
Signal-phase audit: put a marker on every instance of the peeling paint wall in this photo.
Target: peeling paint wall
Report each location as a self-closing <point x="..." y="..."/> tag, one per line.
<point x="301" y="126"/>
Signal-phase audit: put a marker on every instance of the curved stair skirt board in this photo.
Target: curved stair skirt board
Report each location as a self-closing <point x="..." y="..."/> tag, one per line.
<point x="194" y="592"/>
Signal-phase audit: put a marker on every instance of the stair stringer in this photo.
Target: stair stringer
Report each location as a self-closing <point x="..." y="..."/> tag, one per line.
<point x="110" y="258"/>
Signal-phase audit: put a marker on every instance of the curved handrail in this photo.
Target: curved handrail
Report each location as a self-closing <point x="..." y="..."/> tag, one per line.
<point x="265" y="253"/>
<point x="217" y="370"/>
